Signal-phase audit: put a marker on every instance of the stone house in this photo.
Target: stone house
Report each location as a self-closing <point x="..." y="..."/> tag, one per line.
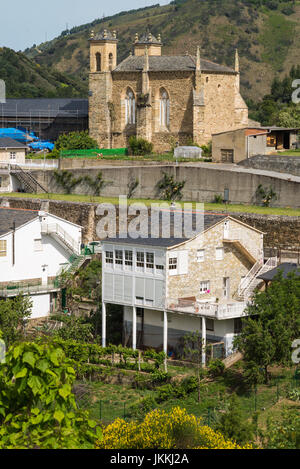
<point x="169" y="287"/>
<point x="164" y="99"/>
<point x="11" y="151"/>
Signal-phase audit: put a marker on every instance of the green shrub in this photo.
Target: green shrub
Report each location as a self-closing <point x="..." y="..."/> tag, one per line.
<point x="216" y="367"/>
<point x="139" y="146"/>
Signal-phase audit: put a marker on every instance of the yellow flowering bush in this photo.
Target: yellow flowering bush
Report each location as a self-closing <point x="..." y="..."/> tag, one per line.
<point x="164" y="430"/>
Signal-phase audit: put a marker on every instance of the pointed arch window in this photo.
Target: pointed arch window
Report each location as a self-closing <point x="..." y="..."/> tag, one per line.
<point x="110" y="61"/>
<point x="129" y="107"/>
<point x="164" y="108"/>
<point x="98" y="62"/>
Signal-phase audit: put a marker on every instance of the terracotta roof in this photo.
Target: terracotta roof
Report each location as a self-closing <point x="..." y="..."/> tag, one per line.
<point x="170" y="63"/>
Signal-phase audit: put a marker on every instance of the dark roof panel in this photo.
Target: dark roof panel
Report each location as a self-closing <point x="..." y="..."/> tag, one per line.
<point x="209" y="221"/>
<point x="45" y="107"/>
<point x="7" y="142"/>
<point x="9" y="216"/>
<point x="170" y="63"/>
<point x="285" y="268"/>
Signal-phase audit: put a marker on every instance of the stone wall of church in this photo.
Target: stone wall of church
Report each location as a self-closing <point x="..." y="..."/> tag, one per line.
<point x="219" y="112"/>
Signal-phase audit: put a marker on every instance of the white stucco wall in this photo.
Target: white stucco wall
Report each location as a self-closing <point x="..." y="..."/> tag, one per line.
<point x="40" y="306"/>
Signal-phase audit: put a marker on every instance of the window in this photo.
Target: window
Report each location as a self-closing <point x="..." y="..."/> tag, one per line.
<point x="12" y="155"/>
<point x="210" y="325"/>
<point x="238" y="325"/>
<point x="139" y="300"/>
<point x="119" y="257"/>
<point x="140" y="260"/>
<point x="200" y="255"/>
<point x="227" y="156"/>
<point x="205" y="287"/>
<point x="98" y="62"/>
<point x="159" y="267"/>
<point x="110" y="61"/>
<point x="3" y="248"/>
<point x="109" y="257"/>
<point x="150" y="260"/>
<point x="129" y="108"/>
<point x="164" y="109"/>
<point x="173" y="263"/>
<point x="219" y="254"/>
<point x="128" y="259"/>
<point x="140" y="312"/>
<point x="38" y="246"/>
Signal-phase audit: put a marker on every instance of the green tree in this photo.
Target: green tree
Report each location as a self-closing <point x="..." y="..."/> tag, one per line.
<point x="193" y="350"/>
<point x="271" y="327"/>
<point x="37" y="406"/>
<point x="75" y="141"/>
<point x="233" y="425"/>
<point x="14" y="314"/>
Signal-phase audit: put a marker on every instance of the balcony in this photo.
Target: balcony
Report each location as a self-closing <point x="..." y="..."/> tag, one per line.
<point x="227" y="310"/>
<point x="13" y="290"/>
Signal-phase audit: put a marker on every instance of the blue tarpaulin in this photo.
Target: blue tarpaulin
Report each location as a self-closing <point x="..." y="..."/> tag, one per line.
<point x="20" y="135"/>
<point x="41" y="146"/>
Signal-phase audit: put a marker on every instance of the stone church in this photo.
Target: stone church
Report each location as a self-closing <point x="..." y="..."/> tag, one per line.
<point x="163" y="99"/>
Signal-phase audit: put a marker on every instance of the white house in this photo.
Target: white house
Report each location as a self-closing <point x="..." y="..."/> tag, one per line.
<point x="34" y="248"/>
<point x="170" y="287"/>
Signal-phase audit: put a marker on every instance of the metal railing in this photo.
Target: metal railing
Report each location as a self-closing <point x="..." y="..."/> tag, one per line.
<point x="21" y="289"/>
<point x="55" y="229"/>
<point x="211" y="310"/>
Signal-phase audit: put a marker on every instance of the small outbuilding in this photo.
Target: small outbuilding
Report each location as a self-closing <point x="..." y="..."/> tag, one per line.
<point x="11" y="151"/>
<point x="237" y="145"/>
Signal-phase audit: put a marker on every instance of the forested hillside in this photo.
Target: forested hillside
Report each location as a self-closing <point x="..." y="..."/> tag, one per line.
<point x="266" y="32"/>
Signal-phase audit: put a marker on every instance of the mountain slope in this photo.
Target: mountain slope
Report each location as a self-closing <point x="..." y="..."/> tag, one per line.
<point x="266" y="32"/>
<point x="25" y="78"/>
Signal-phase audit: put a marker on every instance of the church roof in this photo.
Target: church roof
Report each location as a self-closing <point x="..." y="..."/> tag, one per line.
<point x="172" y="63"/>
<point x="104" y="36"/>
<point x="148" y="39"/>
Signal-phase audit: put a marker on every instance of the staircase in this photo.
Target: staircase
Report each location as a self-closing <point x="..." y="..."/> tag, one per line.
<point x="251" y="281"/>
<point x="75" y="263"/>
<point x="57" y="232"/>
<point x="29" y="183"/>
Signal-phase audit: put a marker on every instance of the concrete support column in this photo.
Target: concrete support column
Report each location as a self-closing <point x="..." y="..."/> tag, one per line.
<point x="166" y="339"/>
<point x="203" y="341"/>
<point x="103" y="324"/>
<point x="165" y="332"/>
<point x="134" y="328"/>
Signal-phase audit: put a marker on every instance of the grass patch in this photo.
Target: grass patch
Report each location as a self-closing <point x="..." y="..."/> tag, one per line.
<point x="288" y="153"/>
<point x="287" y="211"/>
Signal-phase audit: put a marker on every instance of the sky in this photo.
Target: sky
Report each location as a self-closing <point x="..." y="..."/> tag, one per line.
<point x="27" y="22"/>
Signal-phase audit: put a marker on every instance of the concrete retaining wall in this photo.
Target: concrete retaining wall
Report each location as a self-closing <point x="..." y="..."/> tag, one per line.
<point x="202" y="183"/>
<point x="280" y="164"/>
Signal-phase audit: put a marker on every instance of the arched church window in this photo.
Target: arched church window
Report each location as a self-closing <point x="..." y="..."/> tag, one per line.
<point x="164" y="109"/>
<point x="130" y="107"/>
<point x="98" y="62"/>
<point x="110" y="61"/>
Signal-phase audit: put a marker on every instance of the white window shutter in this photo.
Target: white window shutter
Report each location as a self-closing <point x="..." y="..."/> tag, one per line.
<point x="183" y="262"/>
